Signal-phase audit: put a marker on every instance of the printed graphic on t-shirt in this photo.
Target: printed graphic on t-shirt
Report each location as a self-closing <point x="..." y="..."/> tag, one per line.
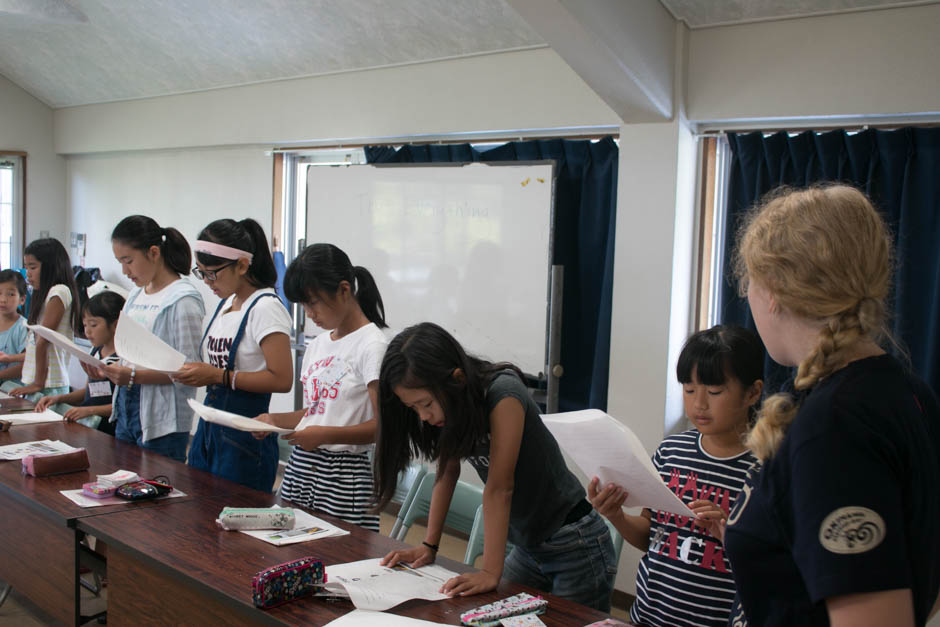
<point x="850" y="530"/>
<point x="322" y="382"/>
<point x="218" y="349"/>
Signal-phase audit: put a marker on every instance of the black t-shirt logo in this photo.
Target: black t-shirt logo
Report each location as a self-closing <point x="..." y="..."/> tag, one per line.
<point x="852" y="529"/>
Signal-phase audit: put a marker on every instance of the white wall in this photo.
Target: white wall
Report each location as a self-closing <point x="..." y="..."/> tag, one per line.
<point x="26" y="126"/>
<point x="516" y="90"/>
<point x="185" y="189"/>
<point x="866" y="63"/>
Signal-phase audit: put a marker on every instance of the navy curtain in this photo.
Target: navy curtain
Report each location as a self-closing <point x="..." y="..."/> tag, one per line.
<point x="585" y="213"/>
<point x="900" y="171"/>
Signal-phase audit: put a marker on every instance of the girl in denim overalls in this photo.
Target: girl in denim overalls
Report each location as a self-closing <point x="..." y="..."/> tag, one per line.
<point x="246" y="349"/>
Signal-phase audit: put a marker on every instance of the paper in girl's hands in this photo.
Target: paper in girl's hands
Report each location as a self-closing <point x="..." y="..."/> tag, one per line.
<point x="235" y="421"/>
<point x="137" y="345"/>
<point x="603" y="447"/>
<point x="65" y="343"/>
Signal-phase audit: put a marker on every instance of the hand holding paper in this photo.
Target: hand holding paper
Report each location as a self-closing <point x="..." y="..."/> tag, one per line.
<point x="134" y="343"/>
<point x="601" y="446"/>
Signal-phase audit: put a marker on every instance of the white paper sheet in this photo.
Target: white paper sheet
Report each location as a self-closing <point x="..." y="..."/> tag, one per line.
<point x="79" y="498"/>
<point x="306" y="527"/>
<point x="228" y="419"/>
<point x="37" y="447"/>
<point x="604" y="447"/>
<point x="368" y="618"/>
<point x="373" y="587"/>
<point x="134" y="343"/>
<point x="32" y="418"/>
<point x="65" y="343"/>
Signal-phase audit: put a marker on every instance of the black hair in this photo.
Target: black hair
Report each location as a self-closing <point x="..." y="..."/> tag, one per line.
<point x="141" y="232"/>
<point x="244" y="235"/>
<point x="426" y="356"/>
<point x="55" y="268"/>
<point x="719" y="352"/>
<point x="320" y="268"/>
<point x="13" y="276"/>
<point x="106" y="304"/>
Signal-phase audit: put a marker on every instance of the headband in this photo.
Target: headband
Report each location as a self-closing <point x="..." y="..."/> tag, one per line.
<point x="218" y="250"/>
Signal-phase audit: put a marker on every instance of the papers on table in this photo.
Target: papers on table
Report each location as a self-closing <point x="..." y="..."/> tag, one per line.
<point x="134" y="343"/>
<point x="306" y="527"/>
<point x="65" y="343"/>
<point x="38" y="447"/>
<point x="373" y="587"/>
<point x="32" y="418"/>
<point x="228" y="419"/>
<point x="80" y="499"/>
<point x="604" y="447"/>
<point x="367" y="618"/>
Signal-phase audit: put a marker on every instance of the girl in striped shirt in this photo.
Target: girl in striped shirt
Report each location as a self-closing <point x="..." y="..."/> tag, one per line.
<point x="684" y="577"/>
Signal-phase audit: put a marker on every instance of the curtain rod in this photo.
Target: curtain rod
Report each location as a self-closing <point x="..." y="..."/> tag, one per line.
<point x="441" y="141"/>
<point x="821" y="127"/>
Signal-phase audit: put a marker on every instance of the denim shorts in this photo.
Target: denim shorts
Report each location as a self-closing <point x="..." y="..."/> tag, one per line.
<point x="128" y="429"/>
<point x="576" y="563"/>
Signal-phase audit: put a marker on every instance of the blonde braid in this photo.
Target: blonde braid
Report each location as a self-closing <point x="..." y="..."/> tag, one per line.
<point x="826" y="255"/>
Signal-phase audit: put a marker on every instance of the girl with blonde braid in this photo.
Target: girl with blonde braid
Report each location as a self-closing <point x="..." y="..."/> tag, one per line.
<point x="838" y="526"/>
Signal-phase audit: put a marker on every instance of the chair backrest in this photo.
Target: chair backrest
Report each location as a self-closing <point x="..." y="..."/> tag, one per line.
<point x="475" y="543"/>
<point x="405" y="492"/>
<point x="462" y="510"/>
<point x="616" y="538"/>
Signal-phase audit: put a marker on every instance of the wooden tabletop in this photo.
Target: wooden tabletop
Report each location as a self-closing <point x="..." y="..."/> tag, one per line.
<point x="105" y="455"/>
<point x="185" y="540"/>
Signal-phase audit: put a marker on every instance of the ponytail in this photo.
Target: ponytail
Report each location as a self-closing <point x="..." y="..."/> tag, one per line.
<point x="244" y="235"/>
<point x="141" y="232"/>
<point x="370" y="301"/>
<point x="320" y="268"/>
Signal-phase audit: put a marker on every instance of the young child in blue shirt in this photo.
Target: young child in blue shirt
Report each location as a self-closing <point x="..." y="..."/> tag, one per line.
<point x="12" y="324"/>
<point x="684" y="577"/>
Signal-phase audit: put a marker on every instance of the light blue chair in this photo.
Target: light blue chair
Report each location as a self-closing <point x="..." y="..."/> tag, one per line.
<point x="617" y="539"/>
<point x="475" y="543"/>
<point x="463" y="506"/>
<point x="405" y="491"/>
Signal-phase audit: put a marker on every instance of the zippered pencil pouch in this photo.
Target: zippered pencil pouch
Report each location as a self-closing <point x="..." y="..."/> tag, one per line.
<point x="287" y="582"/>
<point x="489" y="615"/>
<point x="235" y="518"/>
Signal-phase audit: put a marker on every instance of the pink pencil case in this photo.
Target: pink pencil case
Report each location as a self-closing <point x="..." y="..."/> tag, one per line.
<point x="44" y="465"/>
<point x="98" y="490"/>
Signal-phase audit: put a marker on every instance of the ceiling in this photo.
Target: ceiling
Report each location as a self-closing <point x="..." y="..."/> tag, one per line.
<point x="74" y="52"/>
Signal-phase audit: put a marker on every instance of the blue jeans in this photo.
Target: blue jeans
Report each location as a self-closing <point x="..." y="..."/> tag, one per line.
<point x="577" y="563"/>
<point x="127" y="409"/>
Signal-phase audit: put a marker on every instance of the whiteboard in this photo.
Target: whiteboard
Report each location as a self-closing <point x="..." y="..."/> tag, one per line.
<point x="467" y="247"/>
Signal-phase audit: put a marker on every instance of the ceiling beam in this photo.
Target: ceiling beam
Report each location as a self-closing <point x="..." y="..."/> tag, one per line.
<point x="624" y="51"/>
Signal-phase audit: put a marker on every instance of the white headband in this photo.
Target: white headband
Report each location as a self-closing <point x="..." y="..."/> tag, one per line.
<point x="218" y="250"/>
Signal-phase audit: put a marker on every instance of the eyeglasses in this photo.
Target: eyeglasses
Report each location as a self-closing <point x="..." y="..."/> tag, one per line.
<point x="211" y="275"/>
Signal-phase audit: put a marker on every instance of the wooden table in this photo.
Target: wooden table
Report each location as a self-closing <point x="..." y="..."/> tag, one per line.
<point x="37" y="524"/>
<point x="189" y="572"/>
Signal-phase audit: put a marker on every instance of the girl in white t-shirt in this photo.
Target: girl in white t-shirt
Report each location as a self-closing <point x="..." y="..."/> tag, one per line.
<point x="53" y="305"/>
<point x="245" y="348"/>
<point x="329" y="468"/>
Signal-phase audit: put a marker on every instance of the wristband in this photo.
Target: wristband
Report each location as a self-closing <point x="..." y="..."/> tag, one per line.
<point x="234" y="374"/>
<point x="130" y="382"/>
<point x="433" y="547"/>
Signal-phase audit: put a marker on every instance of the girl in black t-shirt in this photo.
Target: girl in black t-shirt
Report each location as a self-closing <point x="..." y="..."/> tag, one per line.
<point x="99" y="317"/>
<point x="438" y="402"/>
<point x="839" y="525"/>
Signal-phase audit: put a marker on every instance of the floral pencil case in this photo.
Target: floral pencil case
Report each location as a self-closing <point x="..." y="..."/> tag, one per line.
<point x="286" y="582"/>
<point x="489" y="615"/>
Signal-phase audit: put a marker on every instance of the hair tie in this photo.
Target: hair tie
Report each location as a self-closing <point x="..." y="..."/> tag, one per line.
<point x="162" y="234"/>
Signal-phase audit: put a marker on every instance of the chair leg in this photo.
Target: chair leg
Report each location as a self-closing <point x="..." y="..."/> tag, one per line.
<point x="5" y="592"/>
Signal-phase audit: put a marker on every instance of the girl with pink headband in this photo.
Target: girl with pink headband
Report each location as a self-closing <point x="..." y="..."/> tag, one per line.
<point x="245" y="351"/>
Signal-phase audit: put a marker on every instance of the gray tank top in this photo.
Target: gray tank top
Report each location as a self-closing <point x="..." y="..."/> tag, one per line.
<point x="545" y="490"/>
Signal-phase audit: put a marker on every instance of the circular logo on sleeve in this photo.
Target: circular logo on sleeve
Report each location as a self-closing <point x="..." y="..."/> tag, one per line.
<point x="852" y="530"/>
